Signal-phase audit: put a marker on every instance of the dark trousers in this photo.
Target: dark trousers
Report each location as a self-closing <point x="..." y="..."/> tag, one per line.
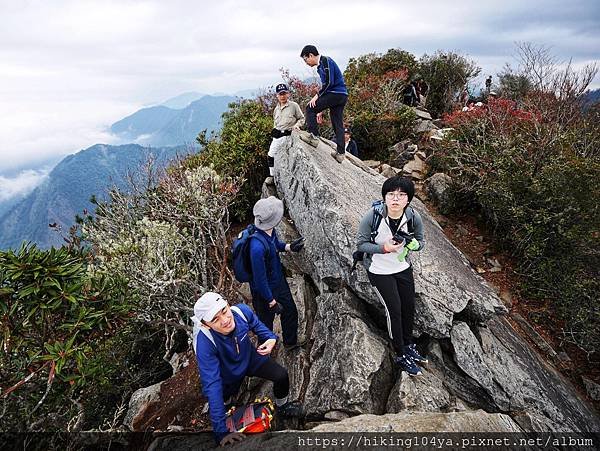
<point x="397" y="292"/>
<point x="270" y="370"/>
<point x="336" y="104"/>
<point x="289" y="315"/>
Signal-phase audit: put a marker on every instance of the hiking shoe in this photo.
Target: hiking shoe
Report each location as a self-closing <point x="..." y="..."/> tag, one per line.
<point x="296" y="345"/>
<point x="407" y="364"/>
<point x="339" y="157"/>
<point x="290" y="409"/>
<point x="309" y="138"/>
<point x="411" y="351"/>
<point x="270" y="180"/>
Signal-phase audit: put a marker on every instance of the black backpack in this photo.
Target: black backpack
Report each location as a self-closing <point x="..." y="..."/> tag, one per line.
<point x="377" y="206"/>
<point x="240" y="253"/>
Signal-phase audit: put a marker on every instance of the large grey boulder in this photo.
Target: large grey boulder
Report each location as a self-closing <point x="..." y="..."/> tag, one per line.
<point x="350" y="367"/>
<point x="477" y="421"/>
<point x="437" y="188"/>
<point x="139" y="400"/>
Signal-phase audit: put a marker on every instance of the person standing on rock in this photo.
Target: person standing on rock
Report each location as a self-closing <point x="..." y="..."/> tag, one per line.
<point x="287" y="116"/>
<point x="226" y="356"/>
<point x="333" y="95"/>
<point x="386" y="233"/>
<point x="349" y="144"/>
<point x="269" y="288"/>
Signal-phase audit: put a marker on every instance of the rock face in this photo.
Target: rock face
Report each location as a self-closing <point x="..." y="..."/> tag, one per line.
<point x="477" y="361"/>
<point x="478" y="421"/>
<point x="437" y="188"/>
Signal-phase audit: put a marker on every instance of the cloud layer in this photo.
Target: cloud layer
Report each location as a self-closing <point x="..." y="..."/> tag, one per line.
<point x="70" y="68"/>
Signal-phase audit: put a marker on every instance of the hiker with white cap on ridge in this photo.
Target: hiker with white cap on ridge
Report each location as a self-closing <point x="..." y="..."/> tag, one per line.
<point x="226" y="355"/>
<point x="270" y="291"/>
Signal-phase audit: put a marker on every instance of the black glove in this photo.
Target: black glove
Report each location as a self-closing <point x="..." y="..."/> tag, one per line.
<point x="277" y="308"/>
<point x="297" y="245"/>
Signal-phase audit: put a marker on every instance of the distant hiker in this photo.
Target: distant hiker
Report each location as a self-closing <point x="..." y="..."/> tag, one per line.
<point x="287" y="116"/>
<point x="349" y="144"/>
<point x="270" y="291"/>
<point x="488" y="84"/>
<point x="333" y="95"/>
<point x="386" y="234"/>
<point x="422" y="91"/>
<point x="409" y="94"/>
<point x="464" y="97"/>
<point x="226" y="355"/>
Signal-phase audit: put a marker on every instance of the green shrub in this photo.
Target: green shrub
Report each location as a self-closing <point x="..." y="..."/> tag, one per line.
<point x="54" y="313"/>
<point x="447" y="74"/>
<point x="539" y="194"/>
<point x="240" y="151"/>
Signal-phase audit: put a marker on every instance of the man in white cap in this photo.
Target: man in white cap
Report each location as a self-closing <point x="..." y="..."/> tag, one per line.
<point x="226" y="355"/>
<point x="287" y="116"/>
<point x="270" y="291"/>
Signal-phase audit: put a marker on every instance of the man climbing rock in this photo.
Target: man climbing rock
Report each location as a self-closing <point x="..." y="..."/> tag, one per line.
<point x="333" y="95"/>
<point x="270" y="291"/>
<point x="287" y="116"/>
<point x="226" y="356"/>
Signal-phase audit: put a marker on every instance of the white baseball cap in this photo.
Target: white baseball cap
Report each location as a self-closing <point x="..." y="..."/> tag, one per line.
<point x="208" y="305"/>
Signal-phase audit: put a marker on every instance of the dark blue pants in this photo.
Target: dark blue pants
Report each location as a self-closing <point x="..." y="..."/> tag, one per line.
<point x="289" y="316"/>
<point x="336" y="104"/>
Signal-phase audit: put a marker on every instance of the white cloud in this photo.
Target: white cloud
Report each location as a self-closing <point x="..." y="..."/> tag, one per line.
<point x="70" y="68"/>
<point x="22" y="184"/>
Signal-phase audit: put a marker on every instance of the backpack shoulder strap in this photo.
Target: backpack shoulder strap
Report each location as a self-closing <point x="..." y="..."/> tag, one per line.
<point x="377" y="217"/>
<point x="206" y="331"/>
<point x="410" y="221"/>
<point x="238" y="310"/>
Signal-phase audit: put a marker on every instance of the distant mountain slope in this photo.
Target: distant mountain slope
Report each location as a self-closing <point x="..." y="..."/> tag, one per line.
<point x="143" y="122"/>
<point x="204" y="113"/>
<point x="182" y="100"/>
<point x="68" y="188"/>
<point x="163" y="126"/>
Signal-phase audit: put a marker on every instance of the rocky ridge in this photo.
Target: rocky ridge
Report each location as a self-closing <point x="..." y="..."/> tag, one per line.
<point x="482" y="374"/>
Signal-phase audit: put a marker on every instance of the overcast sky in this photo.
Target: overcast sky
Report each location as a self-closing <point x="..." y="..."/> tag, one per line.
<point x="68" y="69"/>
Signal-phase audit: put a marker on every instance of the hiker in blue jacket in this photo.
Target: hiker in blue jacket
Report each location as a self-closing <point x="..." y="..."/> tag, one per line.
<point x="226" y="355"/>
<point x="386" y="244"/>
<point x="270" y="291"/>
<point x="333" y="95"/>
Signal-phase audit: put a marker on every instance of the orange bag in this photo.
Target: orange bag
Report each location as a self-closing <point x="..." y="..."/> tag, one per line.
<point x="253" y="418"/>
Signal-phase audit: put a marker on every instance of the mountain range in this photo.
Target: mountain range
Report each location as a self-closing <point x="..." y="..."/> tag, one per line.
<point x="68" y="188"/>
<point x="164" y="126"/>
<point x="163" y="131"/>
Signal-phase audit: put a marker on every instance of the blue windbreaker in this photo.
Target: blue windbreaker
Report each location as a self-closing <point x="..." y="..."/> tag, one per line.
<point x="226" y="363"/>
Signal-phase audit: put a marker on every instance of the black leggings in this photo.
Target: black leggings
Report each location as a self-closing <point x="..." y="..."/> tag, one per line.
<point x="397" y="293"/>
<point x="273" y="371"/>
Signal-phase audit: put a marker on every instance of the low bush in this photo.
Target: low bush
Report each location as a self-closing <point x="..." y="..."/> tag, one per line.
<point x="538" y="192"/>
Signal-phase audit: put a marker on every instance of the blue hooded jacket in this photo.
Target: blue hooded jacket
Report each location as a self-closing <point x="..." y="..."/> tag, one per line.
<point x="225" y="363"/>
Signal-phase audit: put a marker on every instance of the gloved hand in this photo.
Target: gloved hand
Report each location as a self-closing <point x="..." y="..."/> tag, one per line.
<point x="277" y="308"/>
<point x="412" y="246"/>
<point x="297" y="245"/>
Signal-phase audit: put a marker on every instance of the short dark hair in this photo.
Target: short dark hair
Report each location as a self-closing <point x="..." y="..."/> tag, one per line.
<point x="396" y="183"/>
<point x="307" y="50"/>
